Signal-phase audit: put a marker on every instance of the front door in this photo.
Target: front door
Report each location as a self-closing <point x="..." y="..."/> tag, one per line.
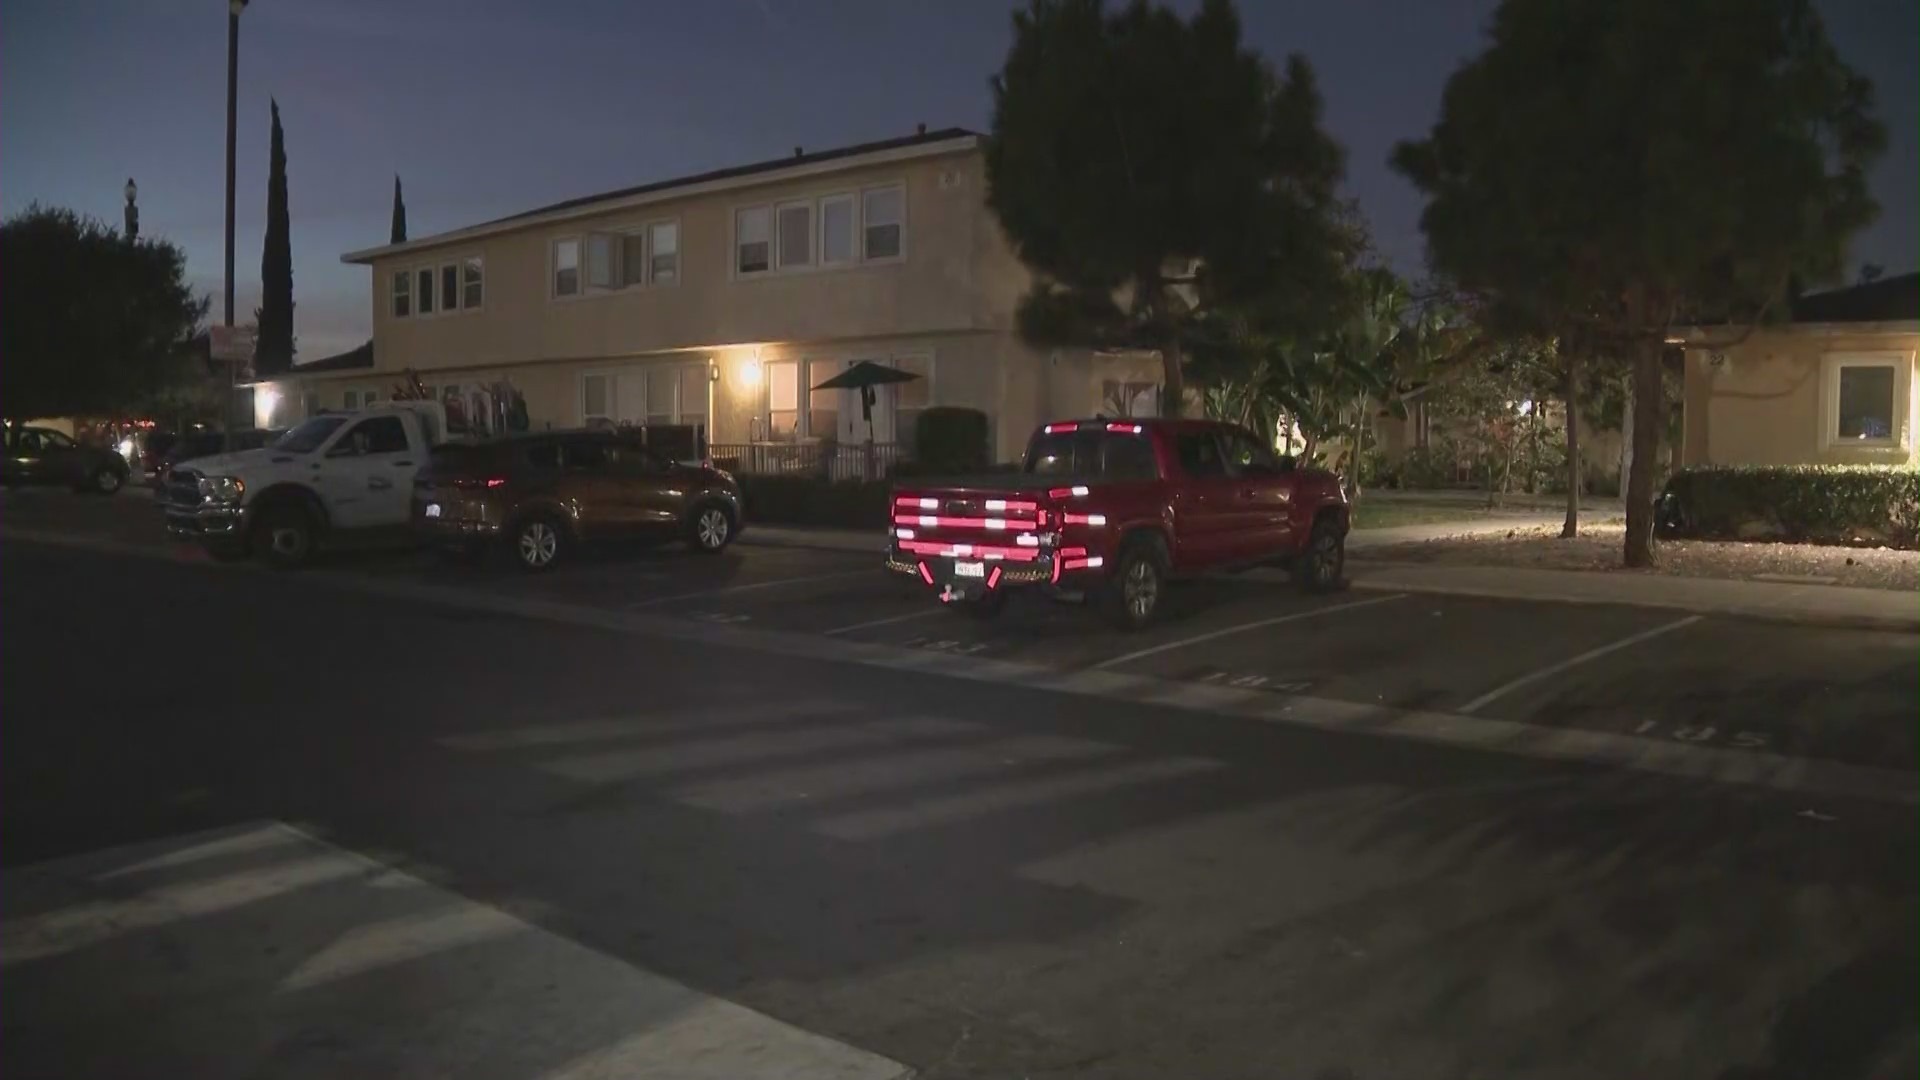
<point x="1209" y="500"/>
<point x="1261" y="524"/>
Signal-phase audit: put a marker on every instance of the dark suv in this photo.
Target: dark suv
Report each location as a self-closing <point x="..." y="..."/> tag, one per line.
<point x="541" y="494"/>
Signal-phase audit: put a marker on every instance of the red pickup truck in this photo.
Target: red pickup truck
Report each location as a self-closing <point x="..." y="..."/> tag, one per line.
<point x="1112" y="509"/>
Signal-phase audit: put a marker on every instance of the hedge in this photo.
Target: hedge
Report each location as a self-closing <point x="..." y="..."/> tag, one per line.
<point x="1827" y="504"/>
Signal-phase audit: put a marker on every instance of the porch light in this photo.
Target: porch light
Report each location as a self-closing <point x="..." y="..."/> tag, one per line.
<point x="751" y="373"/>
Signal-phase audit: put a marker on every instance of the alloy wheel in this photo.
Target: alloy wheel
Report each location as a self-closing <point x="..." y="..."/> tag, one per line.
<point x="538" y="543"/>
<point x="1326" y="558"/>
<point x="711" y="528"/>
<point x="1141" y="589"/>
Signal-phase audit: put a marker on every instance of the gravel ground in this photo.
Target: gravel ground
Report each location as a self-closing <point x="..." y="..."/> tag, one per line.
<point x="1597" y="548"/>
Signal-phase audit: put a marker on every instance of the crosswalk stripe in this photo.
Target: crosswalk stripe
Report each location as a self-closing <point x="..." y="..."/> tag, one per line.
<point x="876" y="824"/>
<point x="666" y="723"/>
<point x="824" y="783"/>
<point x="616" y="765"/>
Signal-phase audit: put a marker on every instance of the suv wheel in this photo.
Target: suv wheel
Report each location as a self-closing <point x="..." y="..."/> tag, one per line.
<point x="710" y="529"/>
<point x="284" y="536"/>
<point x="1320" y="567"/>
<point x="1131" y="597"/>
<point x="538" y="543"/>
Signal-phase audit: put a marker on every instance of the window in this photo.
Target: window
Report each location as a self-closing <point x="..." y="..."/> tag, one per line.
<point x="474" y="291"/>
<point x="310" y="406"/>
<point x="402" y="294"/>
<point x="379" y="435"/>
<point x="566" y="268"/>
<point x="450" y="287"/>
<point x="1063" y="453"/>
<point x="783" y="400"/>
<point x="589" y="454"/>
<point x="633" y="258"/>
<point x="664" y="240"/>
<point x="425" y="279"/>
<point x="1200" y="454"/>
<point x="369" y="397"/>
<point x="1244" y="452"/>
<point x="1866" y="402"/>
<point x="836" y="230"/>
<point x="593" y="399"/>
<point x="823" y="406"/>
<point x="796" y="235"/>
<point x="352" y="400"/>
<point x="752" y="231"/>
<point x="661" y="383"/>
<point x="600" y="261"/>
<point x="882" y="213"/>
<point x="693" y="394"/>
<point x="1129" y="457"/>
<point x="910" y="399"/>
<point x="1130" y="399"/>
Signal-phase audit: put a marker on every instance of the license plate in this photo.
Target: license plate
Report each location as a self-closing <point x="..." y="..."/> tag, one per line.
<point x="969" y="569"/>
<point x="433" y="509"/>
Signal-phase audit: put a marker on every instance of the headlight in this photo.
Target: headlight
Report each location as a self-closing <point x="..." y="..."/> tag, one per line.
<point x="222" y="489"/>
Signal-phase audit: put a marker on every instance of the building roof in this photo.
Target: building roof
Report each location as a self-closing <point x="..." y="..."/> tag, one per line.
<point x="918" y="144"/>
<point x="1893" y="299"/>
<point x="360" y="356"/>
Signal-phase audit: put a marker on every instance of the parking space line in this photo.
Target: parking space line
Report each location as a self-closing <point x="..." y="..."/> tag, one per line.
<point x="1530" y="678"/>
<point x="890" y="620"/>
<point x="731" y="589"/>
<point x="1275" y="621"/>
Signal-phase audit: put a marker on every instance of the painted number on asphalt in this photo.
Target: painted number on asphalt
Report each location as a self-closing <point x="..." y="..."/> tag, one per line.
<point x="1254" y="682"/>
<point x="945" y="645"/>
<point x="1704" y="733"/>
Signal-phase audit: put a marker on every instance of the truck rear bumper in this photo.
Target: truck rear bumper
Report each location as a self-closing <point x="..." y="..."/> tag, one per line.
<point x="938" y="573"/>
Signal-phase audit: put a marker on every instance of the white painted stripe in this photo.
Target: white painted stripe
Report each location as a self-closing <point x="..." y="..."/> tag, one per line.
<point x="742" y="749"/>
<point x="730" y="590"/>
<point x="824" y="783"/>
<point x="677" y="722"/>
<point x="399" y="940"/>
<point x="1532" y="677"/>
<point x="888" y="621"/>
<point x="874" y="824"/>
<point x="1242" y="628"/>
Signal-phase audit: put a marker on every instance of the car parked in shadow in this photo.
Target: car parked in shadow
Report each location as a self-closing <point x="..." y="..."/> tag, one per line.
<point x="538" y="496"/>
<point x="37" y="455"/>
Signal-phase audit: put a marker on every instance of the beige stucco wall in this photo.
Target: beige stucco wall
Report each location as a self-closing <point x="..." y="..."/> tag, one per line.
<point x="1769" y="400"/>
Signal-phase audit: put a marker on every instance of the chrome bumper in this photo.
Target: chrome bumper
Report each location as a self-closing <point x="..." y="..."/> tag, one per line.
<point x="205" y="520"/>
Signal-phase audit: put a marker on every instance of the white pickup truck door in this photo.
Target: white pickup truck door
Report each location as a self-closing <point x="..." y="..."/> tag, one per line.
<point x="367" y="474"/>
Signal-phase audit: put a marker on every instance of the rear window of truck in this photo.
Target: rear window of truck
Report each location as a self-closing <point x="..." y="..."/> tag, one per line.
<point x="1100" y="454"/>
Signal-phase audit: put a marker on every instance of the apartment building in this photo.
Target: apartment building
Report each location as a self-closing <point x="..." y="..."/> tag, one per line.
<point x="722" y="299"/>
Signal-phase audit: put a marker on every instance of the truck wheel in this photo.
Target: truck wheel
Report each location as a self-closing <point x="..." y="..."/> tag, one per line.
<point x="1321" y="567"/>
<point x="538" y="542"/>
<point x="1131" y="597"/>
<point x="709" y="528"/>
<point x="284" y="537"/>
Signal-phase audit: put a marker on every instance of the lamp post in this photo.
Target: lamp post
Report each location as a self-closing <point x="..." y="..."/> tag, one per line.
<point x="234" y="8"/>
<point x="133" y="212"/>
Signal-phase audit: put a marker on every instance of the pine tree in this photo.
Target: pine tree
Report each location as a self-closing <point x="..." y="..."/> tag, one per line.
<point x="274" y="352"/>
<point x="399" y="214"/>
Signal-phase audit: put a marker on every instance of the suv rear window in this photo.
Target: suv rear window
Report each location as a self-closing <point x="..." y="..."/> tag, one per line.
<point x="1092" y="454"/>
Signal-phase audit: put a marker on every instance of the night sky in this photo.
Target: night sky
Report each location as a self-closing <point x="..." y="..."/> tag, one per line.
<point x="488" y="107"/>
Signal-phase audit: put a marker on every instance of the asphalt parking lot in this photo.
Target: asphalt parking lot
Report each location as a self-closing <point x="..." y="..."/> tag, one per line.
<point x="1715" y="682"/>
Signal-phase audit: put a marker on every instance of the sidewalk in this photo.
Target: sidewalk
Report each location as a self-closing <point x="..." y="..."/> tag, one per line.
<point x="1814" y="605"/>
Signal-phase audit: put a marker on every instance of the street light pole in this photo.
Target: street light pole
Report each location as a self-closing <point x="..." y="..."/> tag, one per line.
<point x="234" y="7"/>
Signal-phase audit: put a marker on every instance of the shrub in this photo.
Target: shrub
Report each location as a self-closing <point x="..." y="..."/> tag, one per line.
<point x="810" y="500"/>
<point x="1829" y="504"/>
<point x="951" y="439"/>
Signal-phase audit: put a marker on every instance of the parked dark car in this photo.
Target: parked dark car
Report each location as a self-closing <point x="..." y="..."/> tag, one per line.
<point x="153" y="452"/>
<point x="38" y="455"/>
<point x="541" y="494"/>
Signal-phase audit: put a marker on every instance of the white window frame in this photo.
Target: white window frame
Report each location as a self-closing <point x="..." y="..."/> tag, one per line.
<point x="733" y="255"/>
<point x="852" y="201"/>
<point x="395" y="295"/>
<point x="468" y="263"/>
<point x="872" y="189"/>
<point x="579" y="267"/>
<point x="1901" y="363"/>
<point x="653" y="277"/>
<point x="609" y="378"/>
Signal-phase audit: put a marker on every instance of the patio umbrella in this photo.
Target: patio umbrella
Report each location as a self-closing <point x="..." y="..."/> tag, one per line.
<point x="864" y="376"/>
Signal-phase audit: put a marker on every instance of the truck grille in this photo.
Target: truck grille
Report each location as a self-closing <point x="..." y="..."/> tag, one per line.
<point x="183" y="487"/>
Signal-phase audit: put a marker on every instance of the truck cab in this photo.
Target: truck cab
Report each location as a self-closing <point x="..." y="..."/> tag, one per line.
<point x="337" y="477"/>
<point x="1112" y="510"/>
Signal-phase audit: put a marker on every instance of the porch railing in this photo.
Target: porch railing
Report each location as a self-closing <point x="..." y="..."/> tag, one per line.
<point x="828" y="461"/>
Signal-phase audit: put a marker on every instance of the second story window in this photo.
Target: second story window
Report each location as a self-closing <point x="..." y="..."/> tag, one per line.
<point x="474" y="289"/>
<point x="425" y="281"/>
<point x="450" y="287"/>
<point x="566" y="268"/>
<point x="402" y="294"/>
<point x="883" y="213"/>
<point x="600" y="249"/>
<point x="836" y="230"/>
<point x="752" y="240"/>
<point x="796" y="235"/>
<point x="664" y="240"/>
